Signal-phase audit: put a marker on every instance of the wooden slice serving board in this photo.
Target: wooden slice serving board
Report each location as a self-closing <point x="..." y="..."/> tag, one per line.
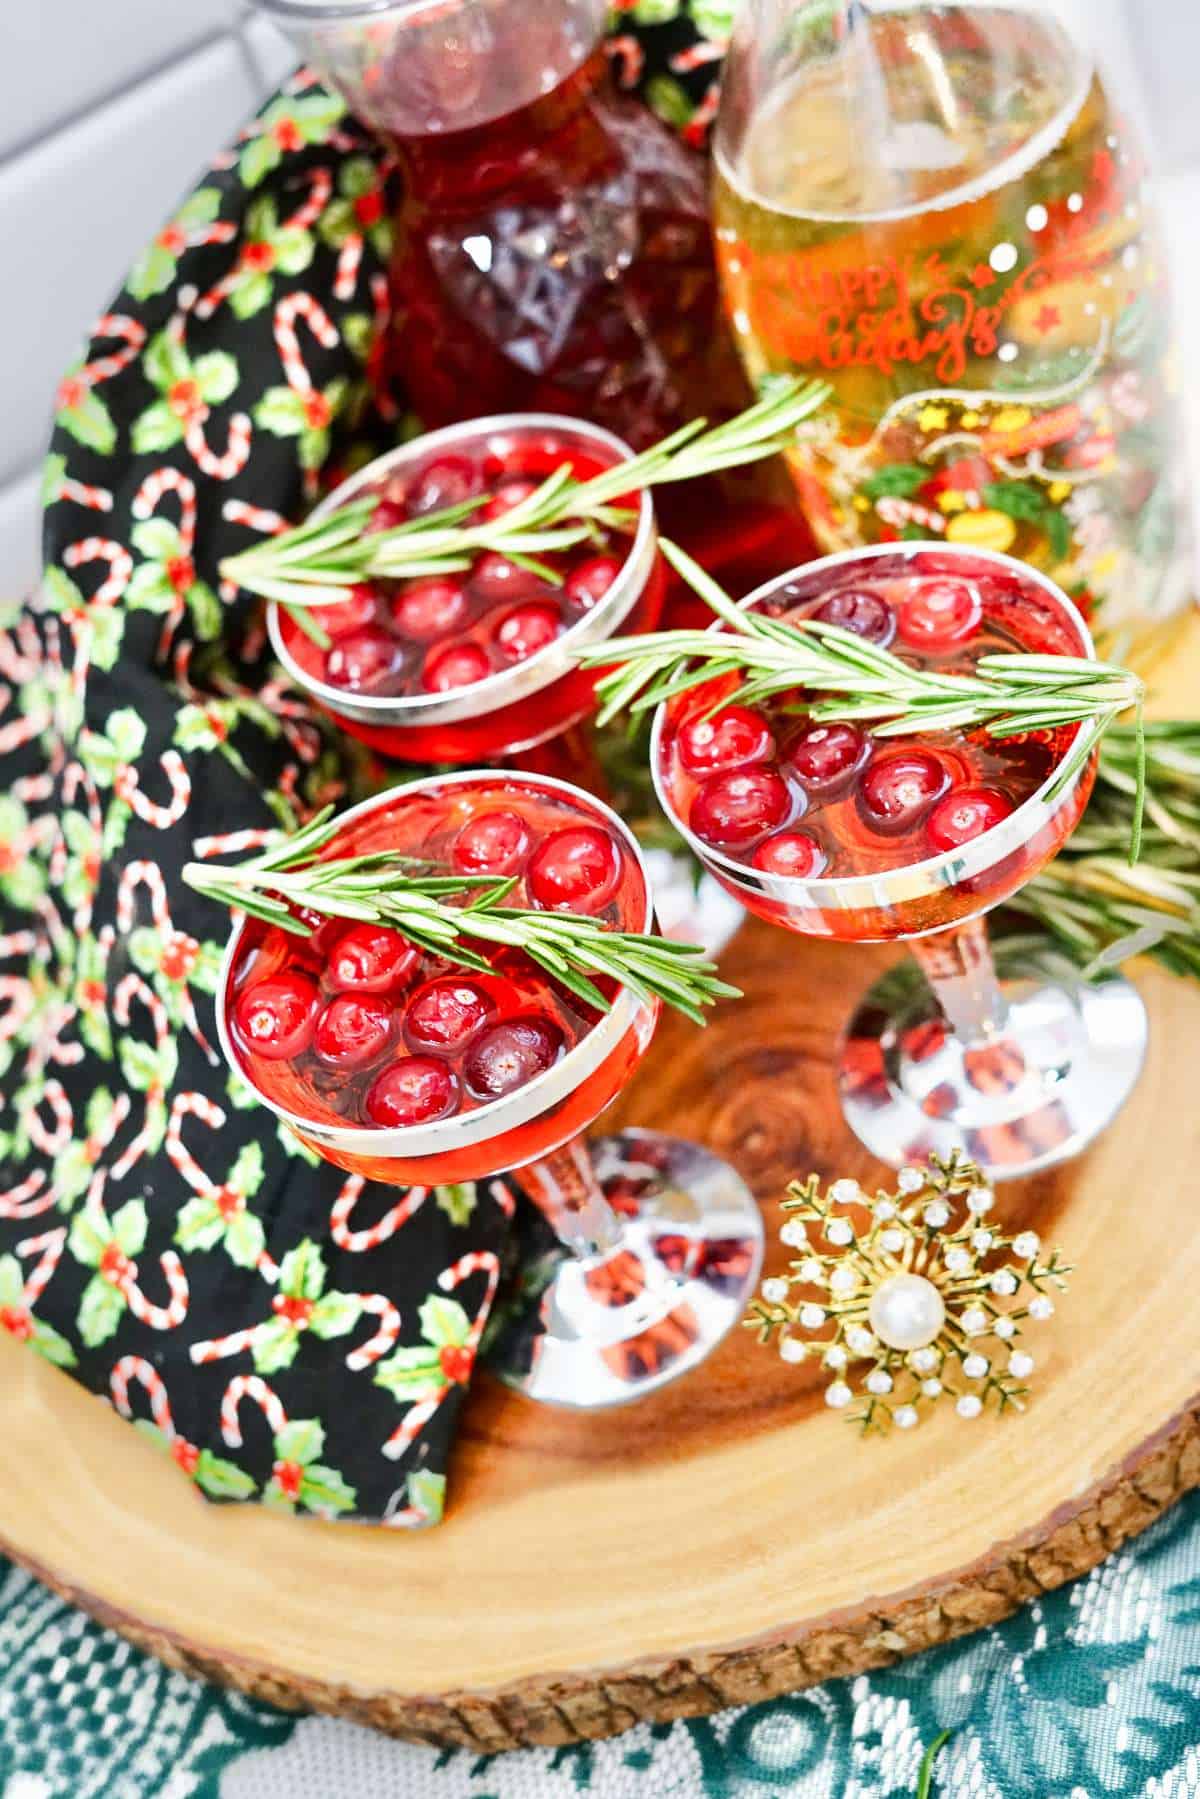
<point x="724" y="1540"/>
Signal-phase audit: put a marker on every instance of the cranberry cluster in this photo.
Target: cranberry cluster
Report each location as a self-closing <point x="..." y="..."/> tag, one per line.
<point x="440" y="632"/>
<point x="780" y="793"/>
<point x="387" y="1035"/>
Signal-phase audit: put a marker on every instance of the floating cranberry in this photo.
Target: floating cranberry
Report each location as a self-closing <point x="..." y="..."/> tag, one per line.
<point x="417" y="1090"/>
<point x="447" y="481"/>
<point x="494" y="578"/>
<point x="940" y="614"/>
<point x="274" y="1017"/>
<point x="353" y="1031"/>
<point x="826" y="756"/>
<point x="387" y="515"/>
<point x="370" y="958"/>
<point x="429" y="609"/>
<point x="898" y="789"/>
<point x="711" y="743"/>
<point x="523" y="633"/>
<point x="459" y="666"/>
<point x="732" y="810"/>
<point x="509" y="495"/>
<point x="447" y="1015"/>
<point x="575" y="870"/>
<point x="497" y="843"/>
<point x="345" y="616"/>
<point x="589" y="581"/>
<point x="512" y="1053"/>
<point x="966" y="813"/>
<point x="793" y="854"/>
<point x="366" y="661"/>
<point x="855" y="609"/>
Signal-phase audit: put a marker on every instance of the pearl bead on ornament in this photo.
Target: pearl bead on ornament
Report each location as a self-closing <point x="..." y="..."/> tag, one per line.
<point x="907" y="1311"/>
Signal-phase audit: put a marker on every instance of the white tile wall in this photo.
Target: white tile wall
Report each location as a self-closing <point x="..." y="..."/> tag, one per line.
<point x="112" y="106"/>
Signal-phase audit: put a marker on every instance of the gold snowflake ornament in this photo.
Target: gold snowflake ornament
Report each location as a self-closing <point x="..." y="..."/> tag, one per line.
<point x="909" y="1297"/>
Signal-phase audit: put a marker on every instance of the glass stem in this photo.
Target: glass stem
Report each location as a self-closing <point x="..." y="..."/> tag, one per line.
<point x="958" y="966"/>
<point x="564" y="1188"/>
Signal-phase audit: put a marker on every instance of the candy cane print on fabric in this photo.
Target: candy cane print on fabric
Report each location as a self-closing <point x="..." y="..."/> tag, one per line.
<point x="135" y="1368"/>
<point x="237" y="448"/>
<point x="358" y="1242"/>
<point x="193" y="1105"/>
<point x="114" y="324"/>
<point x="478" y="1261"/>
<point x="181" y="569"/>
<point x="250" y="1386"/>
<point x="348" y="264"/>
<point x="51" y="1142"/>
<point x="29" y="1199"/>
<point x="147" y="875"/>
<point x="127" y="787"/>
<point x="215" y="1349"/>
<point x="384" y="1340"/>
<point x="132" y="987"/>
<point x="82" y="493"/>
<point x="293" y="307"/>
<point x="309" y="211"/>
<point x="51" y="1245"/>
<point x="102" y="549"/>
<point x="160" y="1318"/>
<point x="256" y="518"/>
<point x="230" y="843"/>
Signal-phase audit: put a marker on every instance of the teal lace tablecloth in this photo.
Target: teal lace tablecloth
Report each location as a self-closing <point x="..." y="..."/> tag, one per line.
<point x="1092" y="1694"/>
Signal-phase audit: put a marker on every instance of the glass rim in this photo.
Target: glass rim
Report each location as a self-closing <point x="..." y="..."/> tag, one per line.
<point x="495" y="1117"/>
<point x="1013" y="168"/>
<point x="506" y="686"/>
<point x="844" y="893"/>
<point x="338" y="9"/>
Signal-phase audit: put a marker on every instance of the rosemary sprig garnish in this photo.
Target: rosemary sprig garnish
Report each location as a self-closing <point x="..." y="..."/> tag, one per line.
<point x="1101" y="911"/>
<point x="318" y="563"/>
<point x="842" y="676"/>
<point x="386" y="888"/>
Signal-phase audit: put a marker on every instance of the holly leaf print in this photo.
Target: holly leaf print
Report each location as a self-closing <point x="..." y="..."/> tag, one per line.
<point x="427" y="1492"/>
<point x="12" y="1284"/>
<point x="444" y="1322"/>
<point x="126" y="731"/>
<point x="246" y="1175"/>
<point x="221" y="1479"/>
<point x="144" y="1066"/>
<point x="411" y="1373"/>
<point x="324" y="1491"/>
<point x="281" y="411"/>
<point x="199" y="1225"/>
<point x="100" y="1312"/>
<point x="52" y="1345"/>
<point x="302" y="1271"/>
<point x="245" y="1240"/>
<point x="302" y="1440"/>
<point x="251" y="295"/>
<point x="156" y="267"/>
<point x="334" y="1315"/>
<point x="457" y="1202"/>
<point x="275" y="1347"/>
<point x="165" y="361"/>
<point x="158" y="428"/>
<point x="83" y="414"/>
<point x="287" y="125"/>
<point x="87" y="1241"/>
<point x="216" y="375"/>
<point x="129" y="1227"/>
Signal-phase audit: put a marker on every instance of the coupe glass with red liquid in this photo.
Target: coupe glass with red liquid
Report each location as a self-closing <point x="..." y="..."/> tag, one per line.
<point x="409" y="1069"/>
<point x="467" y="668"/>
<point x="828" y="831"/>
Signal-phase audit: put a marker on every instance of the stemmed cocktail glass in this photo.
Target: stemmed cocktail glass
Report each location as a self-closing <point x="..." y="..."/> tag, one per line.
<point x="830" y="832"/>
<point x="408" y="1067"/>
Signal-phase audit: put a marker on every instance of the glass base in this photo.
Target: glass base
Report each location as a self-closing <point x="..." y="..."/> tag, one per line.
<point x="604" y="1330"/>
<point x="1068" y="1059"/>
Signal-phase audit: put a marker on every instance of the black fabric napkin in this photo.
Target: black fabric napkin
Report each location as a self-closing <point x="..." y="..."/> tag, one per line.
<point x="286" y="1334"/>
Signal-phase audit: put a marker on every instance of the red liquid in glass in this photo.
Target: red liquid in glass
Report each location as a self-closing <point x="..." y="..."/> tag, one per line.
<point x="781" y="797"/>
<point x="436" y="634"/>
<point x="357" y="1023"/>
<point x="559" y="259"/>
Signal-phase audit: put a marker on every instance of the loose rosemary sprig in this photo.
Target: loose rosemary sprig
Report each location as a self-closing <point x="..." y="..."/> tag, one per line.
<point x="318" y="563"/>
<point x="388" y="889"/>
<point x="846" y="677"/>
<point x="1101" y="911"/>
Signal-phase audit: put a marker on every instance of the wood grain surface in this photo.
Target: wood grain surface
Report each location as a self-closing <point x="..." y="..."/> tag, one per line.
<point x="726" y="1539"/>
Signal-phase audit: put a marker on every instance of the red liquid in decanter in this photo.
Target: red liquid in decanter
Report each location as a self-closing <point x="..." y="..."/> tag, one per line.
<point x="559" y="259"/>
